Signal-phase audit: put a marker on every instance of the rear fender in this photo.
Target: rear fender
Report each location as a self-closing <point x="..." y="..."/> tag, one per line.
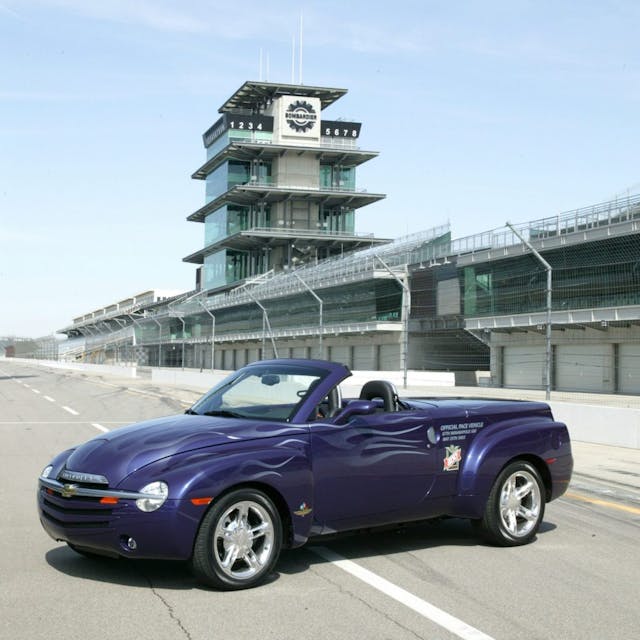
<point x="544" y="443"/>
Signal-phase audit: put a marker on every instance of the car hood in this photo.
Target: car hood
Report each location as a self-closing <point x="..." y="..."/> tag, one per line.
<point x="119" y="453"/>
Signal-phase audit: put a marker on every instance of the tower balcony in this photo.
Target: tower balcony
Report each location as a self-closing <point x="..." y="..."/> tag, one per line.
<point x="255" y="192"/>
<point x="333" y="150"/>
<point x="275" y="236"/>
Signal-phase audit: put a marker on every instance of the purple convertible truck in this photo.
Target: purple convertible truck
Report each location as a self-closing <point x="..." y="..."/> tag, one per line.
<point x="274" y="456"/>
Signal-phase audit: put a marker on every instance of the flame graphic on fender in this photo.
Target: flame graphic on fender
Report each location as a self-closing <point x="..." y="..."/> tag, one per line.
<point x="248" y="468"/>
<point x="369" y="445"/>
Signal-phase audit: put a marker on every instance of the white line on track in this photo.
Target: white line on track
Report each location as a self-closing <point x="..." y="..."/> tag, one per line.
<point x="49" y="398"/>
<point x="73" y="412"/>
<point x="119" y="423"/>
<point x="99" y="427"/>
<point x="424" y="608"/>
<point x="35" y="390"/>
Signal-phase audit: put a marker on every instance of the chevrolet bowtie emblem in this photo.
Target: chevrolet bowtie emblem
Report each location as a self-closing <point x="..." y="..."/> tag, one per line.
<point x="69" y="490"/>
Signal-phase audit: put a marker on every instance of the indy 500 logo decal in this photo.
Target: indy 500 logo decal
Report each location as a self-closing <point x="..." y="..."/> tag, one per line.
<point x="301" y="116"/>
<point x="454" y="456"/>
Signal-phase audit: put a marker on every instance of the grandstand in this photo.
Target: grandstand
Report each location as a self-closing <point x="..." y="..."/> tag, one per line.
<point x="283" y="273"/>
<point x="474" y="303"/>
<point x="43" y="348"/>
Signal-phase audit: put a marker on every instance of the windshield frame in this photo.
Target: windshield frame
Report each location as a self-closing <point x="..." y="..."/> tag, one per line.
<point x="277" y="372"/>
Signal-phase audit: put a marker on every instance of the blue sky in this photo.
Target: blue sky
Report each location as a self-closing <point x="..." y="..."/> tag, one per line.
<point x="482" y="112"/>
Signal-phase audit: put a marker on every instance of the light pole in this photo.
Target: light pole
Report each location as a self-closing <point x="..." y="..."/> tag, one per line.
<point x="406" y="309"/>
<point x="549" y="270"/>
<point x="180" y="316"/>
<point x="320" y="327"/>
<point x="265" y="325"/>
<point x="213" y="330"/>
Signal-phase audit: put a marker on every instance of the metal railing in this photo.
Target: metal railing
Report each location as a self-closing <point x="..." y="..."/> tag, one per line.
<point x="354" y="267"/>
<point x="288" y="232"/>
<point x="326" y="142"/>
<point x="605" y="214"/>
<point x="270" y="183"/>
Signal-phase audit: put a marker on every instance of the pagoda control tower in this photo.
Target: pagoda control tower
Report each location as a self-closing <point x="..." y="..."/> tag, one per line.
<point x="280" y="184"/>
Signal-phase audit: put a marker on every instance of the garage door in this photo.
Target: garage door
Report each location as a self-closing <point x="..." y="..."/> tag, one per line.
<point x="340" y="354"/>
<point x="390" y="357"/>
<point x="299" y="352"/>
<point x="228" y="360"/>
<point x="629" y="371"/>
<point x="584" y="367"/>
<point x="241" y="358"/>
<point x="364" y="357"/>
<point x="524" y="367"/>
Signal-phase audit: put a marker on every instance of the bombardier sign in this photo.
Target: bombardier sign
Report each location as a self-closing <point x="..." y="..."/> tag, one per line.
<point x="299" y="117"/>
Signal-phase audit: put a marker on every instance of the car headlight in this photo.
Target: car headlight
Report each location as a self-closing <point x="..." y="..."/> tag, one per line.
<point x="46" y="471"/>
<point x="159" y="489"/>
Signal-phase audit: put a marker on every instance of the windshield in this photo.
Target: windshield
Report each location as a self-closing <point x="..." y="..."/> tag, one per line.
<point x="262" y="392"/>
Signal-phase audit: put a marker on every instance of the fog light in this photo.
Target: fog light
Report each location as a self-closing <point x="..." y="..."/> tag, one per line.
<point x="132" y="544"/>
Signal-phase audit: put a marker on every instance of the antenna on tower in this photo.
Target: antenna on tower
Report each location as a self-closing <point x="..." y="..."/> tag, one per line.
<point x="264" y="64"/>
<point x="300" y="53"/>
<point x="293" y="59"/>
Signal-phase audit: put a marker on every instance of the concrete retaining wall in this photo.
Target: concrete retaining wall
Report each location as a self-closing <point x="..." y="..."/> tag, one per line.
<point x="124" y="371"/>
<point x="614" y="426"/>
<point x="203" y="380"/>
<point x="207" y="379"/>
<point x="595" y="423"/>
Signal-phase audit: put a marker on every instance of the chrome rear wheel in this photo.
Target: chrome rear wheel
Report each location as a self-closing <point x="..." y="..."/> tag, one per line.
<point x="520" y="503"/>
<point x="515" y="506"/>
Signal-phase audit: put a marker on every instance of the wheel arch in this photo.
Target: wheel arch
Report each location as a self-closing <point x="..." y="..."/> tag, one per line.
<point x="538" y="463"/>
<point x="493" y="524"/>
<point x="540" y="466"/>
<point x="475" y="484"/>
<point x="273" y="494"/>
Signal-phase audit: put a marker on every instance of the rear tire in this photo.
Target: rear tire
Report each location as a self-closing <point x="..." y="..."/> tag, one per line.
<point x="238" y="542"/>
<point x="515" y="506"/>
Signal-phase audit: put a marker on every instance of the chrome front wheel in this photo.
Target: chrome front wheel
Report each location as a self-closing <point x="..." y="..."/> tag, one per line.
<point x="243" y="540"/>
<point x="239" y="541"/>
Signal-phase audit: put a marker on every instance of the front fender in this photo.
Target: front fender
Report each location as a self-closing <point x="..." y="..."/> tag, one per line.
<point x="197" y="478"/>
<point x="57" y="463"/>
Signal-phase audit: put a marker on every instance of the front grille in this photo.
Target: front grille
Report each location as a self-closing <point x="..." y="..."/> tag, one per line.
<point x="76" y="512"/>
<point x="68" y="508"/>
<point x="94" y="524"/>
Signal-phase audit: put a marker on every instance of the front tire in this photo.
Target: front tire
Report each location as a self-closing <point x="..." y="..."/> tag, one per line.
<point x="238" y="542"/>
<point x="515" y="506"/>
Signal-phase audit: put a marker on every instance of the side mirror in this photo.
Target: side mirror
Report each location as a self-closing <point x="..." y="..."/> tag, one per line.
<point x="355" y="408"/>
